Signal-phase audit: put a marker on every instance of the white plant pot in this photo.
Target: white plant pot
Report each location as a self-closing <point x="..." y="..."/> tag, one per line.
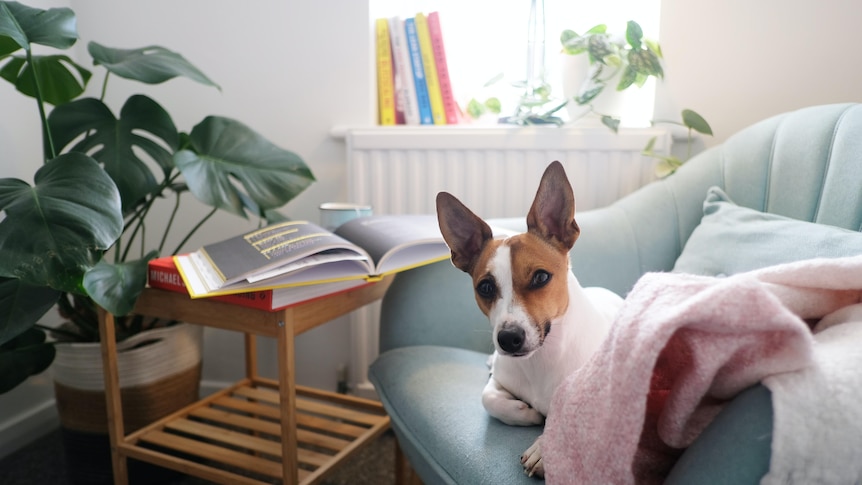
<point x="634" y="106"/>
<point x="160" y="372"/>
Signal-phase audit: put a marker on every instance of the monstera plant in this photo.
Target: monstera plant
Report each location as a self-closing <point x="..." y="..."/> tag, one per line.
<point x="75" y="236"/>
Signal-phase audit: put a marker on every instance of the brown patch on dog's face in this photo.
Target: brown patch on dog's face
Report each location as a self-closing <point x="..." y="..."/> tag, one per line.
<point x="539" y="278"/>
<point x="485" y="284"/>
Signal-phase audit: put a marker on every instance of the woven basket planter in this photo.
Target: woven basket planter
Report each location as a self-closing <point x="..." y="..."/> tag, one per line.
<point x="160" y="372"/>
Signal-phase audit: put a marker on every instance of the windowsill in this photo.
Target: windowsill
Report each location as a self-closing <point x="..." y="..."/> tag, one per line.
<point x="501" y="137"/>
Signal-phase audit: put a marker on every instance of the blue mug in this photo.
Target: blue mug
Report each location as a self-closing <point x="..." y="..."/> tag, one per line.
<point x="334" y="214"/>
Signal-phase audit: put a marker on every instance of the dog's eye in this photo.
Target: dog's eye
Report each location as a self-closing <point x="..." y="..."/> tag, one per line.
<point x="486" y="289"/>
<point x="540" y="279"/>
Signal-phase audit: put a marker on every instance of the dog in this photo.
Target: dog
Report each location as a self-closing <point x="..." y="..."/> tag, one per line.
<point x="544" y="324"/>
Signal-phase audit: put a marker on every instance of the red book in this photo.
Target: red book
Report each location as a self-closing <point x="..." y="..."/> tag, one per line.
<point x="449" y="104"/>
<point x="162" y="273"/>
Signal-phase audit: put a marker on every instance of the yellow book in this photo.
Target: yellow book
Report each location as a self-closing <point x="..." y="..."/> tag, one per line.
<point x="385" y="81"/>
<point x="438" y="109"/>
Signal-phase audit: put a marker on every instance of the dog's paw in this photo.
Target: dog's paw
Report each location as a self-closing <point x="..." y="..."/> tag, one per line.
<point x="532" y="460"/>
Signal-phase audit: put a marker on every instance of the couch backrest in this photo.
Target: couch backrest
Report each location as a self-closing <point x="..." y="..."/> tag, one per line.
<point x="805" y="164"/>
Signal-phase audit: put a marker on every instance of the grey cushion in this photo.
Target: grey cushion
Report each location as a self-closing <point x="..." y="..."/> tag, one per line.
<point x="732" y="239"/>
<point x="434" y="393"/>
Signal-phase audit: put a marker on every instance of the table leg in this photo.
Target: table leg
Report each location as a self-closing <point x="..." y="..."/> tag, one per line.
<point x="116" y="433"/>
<point x="250" y="356"/>
<point x="287" y="393"/>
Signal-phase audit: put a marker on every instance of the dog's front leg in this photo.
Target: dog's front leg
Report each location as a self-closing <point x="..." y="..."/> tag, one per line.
<point x="532" y="460"/>
<point x="501" y="404"/>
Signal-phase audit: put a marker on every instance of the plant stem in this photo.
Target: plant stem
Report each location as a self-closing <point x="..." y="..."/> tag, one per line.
<point x="194" y="229"/>
<point x="141" y="215"/>
<point x="105" y="86"/>
<point x="46" y="131"/>
<point x="170" y="223"/>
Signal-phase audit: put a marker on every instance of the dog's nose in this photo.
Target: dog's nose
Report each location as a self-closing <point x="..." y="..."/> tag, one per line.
<point x="511" y="339"/>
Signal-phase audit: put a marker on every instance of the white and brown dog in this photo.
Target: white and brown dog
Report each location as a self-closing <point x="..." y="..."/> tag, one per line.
<point x="545" y="325"/>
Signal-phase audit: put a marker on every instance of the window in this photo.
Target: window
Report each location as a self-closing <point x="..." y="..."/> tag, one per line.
<point x="487" y="37"/>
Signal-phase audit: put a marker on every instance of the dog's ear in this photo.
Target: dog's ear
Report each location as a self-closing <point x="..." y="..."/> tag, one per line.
<point x="464" y="232"/>
<point x="552" y="216"/>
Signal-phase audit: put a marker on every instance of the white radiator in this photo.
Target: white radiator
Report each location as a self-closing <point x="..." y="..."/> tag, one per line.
<point x="494" y="170"/>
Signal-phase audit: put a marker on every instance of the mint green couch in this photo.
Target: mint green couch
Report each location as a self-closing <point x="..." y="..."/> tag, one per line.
<point x="805" y="165"/>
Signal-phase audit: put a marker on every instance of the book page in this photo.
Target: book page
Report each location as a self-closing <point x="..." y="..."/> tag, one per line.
<point x="237" y="258"/>
<point x="385" y="235"/>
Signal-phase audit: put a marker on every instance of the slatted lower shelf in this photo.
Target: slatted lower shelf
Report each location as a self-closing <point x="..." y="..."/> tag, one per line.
<point x="234" y="437"/>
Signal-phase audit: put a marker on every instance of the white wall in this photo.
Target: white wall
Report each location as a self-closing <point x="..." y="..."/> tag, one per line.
<point x="740" y="61"/>
<point x="289" y="69"/>
<point x="293" y="69"/>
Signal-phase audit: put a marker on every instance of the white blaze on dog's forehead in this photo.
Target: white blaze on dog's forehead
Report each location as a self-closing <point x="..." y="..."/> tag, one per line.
<point x="501" y="268"/>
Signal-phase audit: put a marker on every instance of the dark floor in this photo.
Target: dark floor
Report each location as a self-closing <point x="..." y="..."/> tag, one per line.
<point x="43" y="463"/>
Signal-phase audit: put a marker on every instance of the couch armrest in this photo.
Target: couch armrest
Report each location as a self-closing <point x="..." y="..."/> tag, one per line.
<point x="433" y="305"/>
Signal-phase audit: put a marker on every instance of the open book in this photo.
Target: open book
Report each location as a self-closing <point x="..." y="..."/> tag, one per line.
<point x="299" y="253"/>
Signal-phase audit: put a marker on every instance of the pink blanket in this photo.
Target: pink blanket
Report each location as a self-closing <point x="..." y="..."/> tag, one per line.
<point x="681" y="347"/>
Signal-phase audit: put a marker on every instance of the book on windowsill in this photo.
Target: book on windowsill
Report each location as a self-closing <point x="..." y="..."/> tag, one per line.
<point x="300" y="253"/>
<point x="162" y="273"/>
<point x="385" y="81"/>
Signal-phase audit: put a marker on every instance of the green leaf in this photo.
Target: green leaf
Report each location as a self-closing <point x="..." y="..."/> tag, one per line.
<point x="493" y="104"/>
<point x="627" y="78"/>
<point x="55" y="27"/>
<point x="474" y="108"/>
<point x="654" y="47"/>
<point x="599" y="46"/>
<point x="634" y="34"/>
<point x="667" y="166"/>
<point x="611" y="122"/>
<point x="573" y="44"/>
<point x="21" y="306"/>
<point x="598" y="29"/>
<point x="646" y="62"/>
<point x="226" y="151"/>
<point x="143" y="125"/>
<point x="24" y="356"/>
<point x="58" y="228"/>
<point x="151" y="65"/>
<point x="60" y="78"/>
<point x="649" y="146"/>
<point x="696" y="122"/>
<point x="116" y="287"/>
<point x="494" y="80"/>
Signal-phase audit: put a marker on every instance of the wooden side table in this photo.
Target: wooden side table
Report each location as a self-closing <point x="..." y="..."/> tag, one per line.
<point x="257" y="429"/>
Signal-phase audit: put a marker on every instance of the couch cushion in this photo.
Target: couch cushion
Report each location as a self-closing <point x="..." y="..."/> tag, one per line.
<point x="735" y="448"/>
<point x="732" y="239"/>
<point x="433" y="396"/>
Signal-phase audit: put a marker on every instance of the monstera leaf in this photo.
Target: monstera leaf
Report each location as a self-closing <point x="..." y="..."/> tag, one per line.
<point x="54" y="27"/>
<point x="143" y="123"/>
<point x="26" y="355"/>
<point x="58" y="78"/>
<point x="115" y="287"/>
<point x="57" y="229"/>
<point x="22" y="305"/>
<point x="23" y="351"/>
<point x="150" y="65"/>
<point x="225" y="151"/>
